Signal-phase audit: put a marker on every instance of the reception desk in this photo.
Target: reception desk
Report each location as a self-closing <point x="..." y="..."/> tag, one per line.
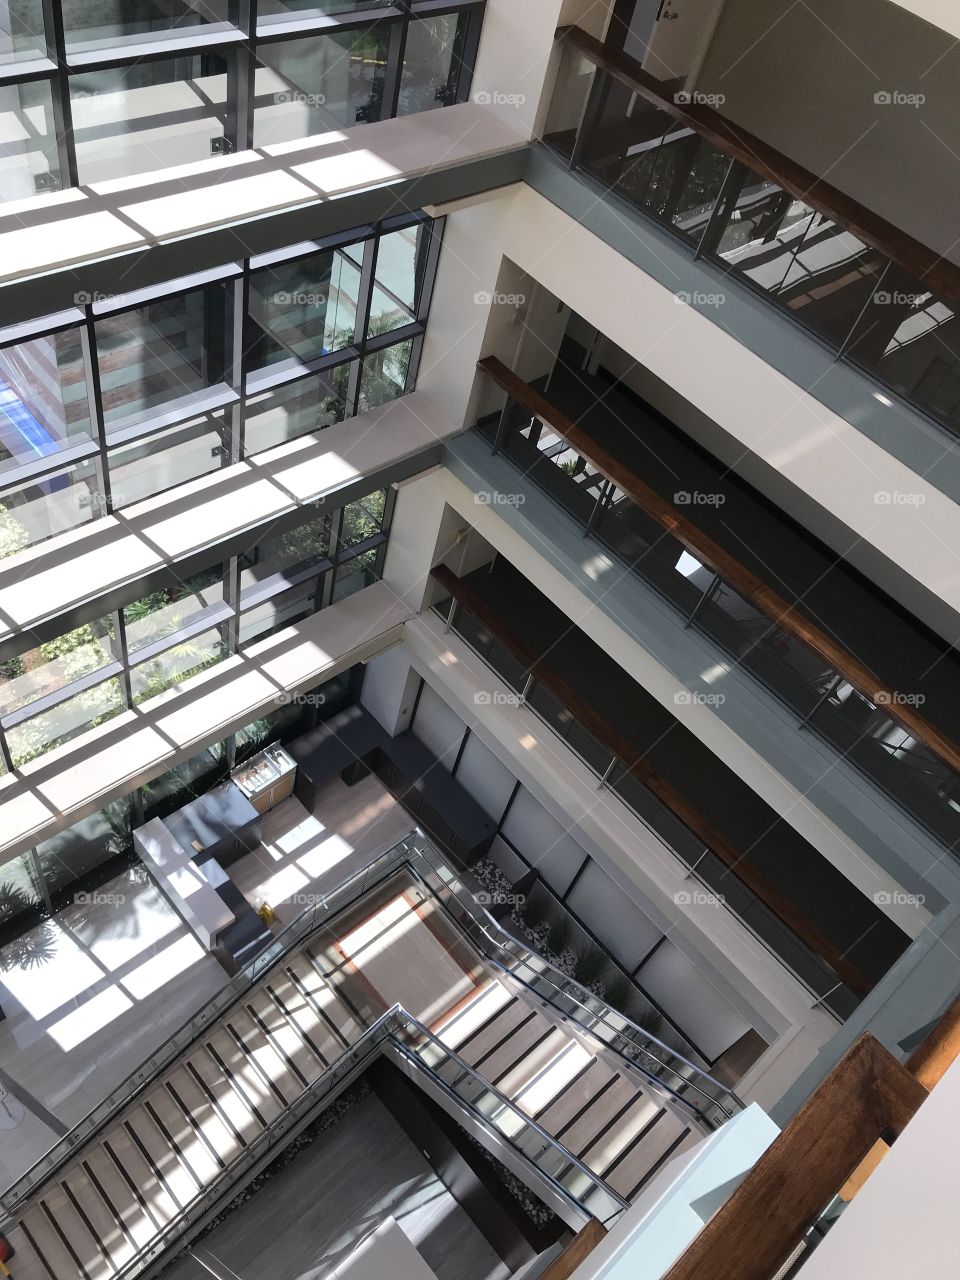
<point x="187" y="854"/>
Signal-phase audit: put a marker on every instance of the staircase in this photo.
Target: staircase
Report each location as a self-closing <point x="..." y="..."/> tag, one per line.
<point x="493" y="1045"/>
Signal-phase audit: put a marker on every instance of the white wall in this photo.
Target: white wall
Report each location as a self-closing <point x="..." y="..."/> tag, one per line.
<point x="803" y="77"/>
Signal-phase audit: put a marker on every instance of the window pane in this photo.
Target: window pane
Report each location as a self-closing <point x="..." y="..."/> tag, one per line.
<point x="43" y="397"/>
<point x="277" y="416"/>
<point x="282" y="611"/>
<point x="183" y="783"/>
<point x="384" y="376"/>
<point x="20" y="897"/>
<point x="172" y="457"/>
<point x="88" y="844"/>
<point x="41" y="510"/>
<point x="147" y="116"/>
<point x="163" y="612"/>
<point x="21" y="31"/>
<point x="355" y="574"/>
<point x="56" y="663"/>
<point x="291" y="551"/>
<point x="315" y="8"/>
<point x="304" y="309"/>
<point x="432" y="61"/>
<point x="315" y="85"/>
<point x="176" y="664"/>
<point x="110" y="22"/>
<point x="28" y="141"/>
<point x="62" y="723"/>
<point x="399" y="278"/>
<point x="160" y="353"/>
<point x="362" y="519"/>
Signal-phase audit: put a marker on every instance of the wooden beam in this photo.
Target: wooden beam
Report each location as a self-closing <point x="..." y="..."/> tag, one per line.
<point x="778" y="903"/>
<point x="763" y="598"/>
<point x="936" y="272"/>
<point x="582" y="1244"/>
<point x="867" y="1094"/>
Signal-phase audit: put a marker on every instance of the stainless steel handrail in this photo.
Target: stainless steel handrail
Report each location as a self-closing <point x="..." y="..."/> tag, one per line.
<point x="355" y="1058"/>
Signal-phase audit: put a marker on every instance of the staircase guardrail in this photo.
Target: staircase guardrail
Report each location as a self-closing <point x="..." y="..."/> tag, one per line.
<point x="640" y="1048"/>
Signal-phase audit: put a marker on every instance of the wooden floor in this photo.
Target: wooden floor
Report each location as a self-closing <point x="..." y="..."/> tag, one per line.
<point x="310" y="1217"/>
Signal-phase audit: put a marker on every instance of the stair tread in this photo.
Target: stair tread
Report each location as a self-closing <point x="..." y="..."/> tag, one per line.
<point x="609" y="1146"/>
<point x="229" y="1095"/>
<point x="276" y="1070"/>
<point x="28" y="1262"/>
<point x="585" y="1129"/>
<point x="285" y="1038"/>
<point x="204" y="1114"/>
<point x="175" y="1177"/>
<point x="463" y="1022"/>
<point x="78" y="1236"/>
<point x="533" y="1064"/>
<point x="198" y="1160"/>
<point x="51" y="1249"/>
<point x="160" y="1205"/>
<point x="103" y="1223"/>
<point x="548" y="1086"/>
<point x="510" y="1017"/>
<point x="307" y="1020"/>
<point x="324" y="997"/>
<point x="244" y="1074"/>
<point x="641" y="1159"/>
<point x="516" y="1047"/>
<point x="121" y="1200"/>
<point x="576" y="1096"/>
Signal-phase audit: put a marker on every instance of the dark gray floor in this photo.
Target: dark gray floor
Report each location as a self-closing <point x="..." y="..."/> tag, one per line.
<point x="310" y="1217"/>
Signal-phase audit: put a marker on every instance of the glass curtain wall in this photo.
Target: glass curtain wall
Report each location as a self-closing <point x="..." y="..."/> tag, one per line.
<point x="100" y="92"/>
<point x="45" y="879"/>
<point x="52" y="692"/>
<point x="127" y="397"/>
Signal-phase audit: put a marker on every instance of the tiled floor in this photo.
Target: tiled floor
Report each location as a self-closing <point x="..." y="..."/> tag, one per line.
<point x="110" y="980"/>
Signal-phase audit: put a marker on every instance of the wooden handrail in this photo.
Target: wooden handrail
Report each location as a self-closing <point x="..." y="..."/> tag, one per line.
<point x="763" y="598"/>
<point x="582" y="1244"/>
<point x="778" y="903"/>
<point x="929" y="267"/>
<point x="866" y="1095"/>
<point x="837" y="1137"/>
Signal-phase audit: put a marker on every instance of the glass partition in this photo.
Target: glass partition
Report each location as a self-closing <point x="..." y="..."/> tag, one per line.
<point x="867" y="736"/>
<point x="869" y="310"/>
